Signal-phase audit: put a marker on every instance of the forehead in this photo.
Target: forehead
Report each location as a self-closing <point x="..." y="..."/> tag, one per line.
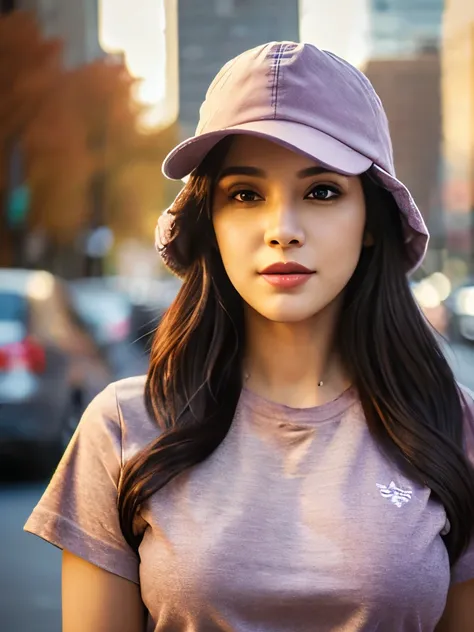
<point x="247" y="149"/>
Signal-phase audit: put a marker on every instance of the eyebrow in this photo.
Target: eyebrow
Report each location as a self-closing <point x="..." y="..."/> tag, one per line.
<point x="260" y="173"/>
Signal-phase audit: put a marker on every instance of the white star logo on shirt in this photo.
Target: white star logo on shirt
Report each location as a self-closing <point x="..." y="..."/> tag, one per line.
<point x="397" y="495"/>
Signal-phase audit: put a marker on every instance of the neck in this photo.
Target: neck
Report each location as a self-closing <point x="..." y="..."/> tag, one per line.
<point x="285" y="362"/>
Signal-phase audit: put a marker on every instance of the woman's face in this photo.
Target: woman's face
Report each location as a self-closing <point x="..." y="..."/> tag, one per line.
<point x="273" y="206"/>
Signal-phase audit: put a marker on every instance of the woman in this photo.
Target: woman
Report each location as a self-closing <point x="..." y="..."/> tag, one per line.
<point x="298" y="456"/>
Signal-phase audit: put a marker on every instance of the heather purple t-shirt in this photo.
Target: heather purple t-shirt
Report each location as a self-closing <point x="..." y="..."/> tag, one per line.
<point x="295" y="523"/>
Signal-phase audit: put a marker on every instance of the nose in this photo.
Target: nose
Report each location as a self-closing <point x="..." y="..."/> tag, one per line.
<point x="283" y="228"/>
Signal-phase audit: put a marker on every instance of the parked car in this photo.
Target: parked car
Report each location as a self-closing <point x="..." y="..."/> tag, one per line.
<point x="461" y="306"/>
<point x="50" y="366"/>
<point x="107" y="311"/>
<point x="150" y="298"/>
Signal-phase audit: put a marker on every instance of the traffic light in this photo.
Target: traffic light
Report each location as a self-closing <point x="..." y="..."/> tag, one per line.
<point x="18" y="205"/>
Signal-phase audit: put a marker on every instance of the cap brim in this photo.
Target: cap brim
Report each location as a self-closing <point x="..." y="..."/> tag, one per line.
<point x="317" y="145"/>
<point x="320" y="147"/>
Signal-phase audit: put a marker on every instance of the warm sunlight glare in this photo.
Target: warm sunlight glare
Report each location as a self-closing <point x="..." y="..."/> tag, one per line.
<point x="140" y="34"/>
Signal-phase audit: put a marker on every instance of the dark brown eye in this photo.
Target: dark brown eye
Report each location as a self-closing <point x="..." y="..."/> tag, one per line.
<point x="245" y="195"/>
<point x="323" y="192"/>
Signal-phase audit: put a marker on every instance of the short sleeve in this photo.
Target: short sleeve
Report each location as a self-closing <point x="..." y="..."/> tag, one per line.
<point x="78" y="510"/>
<point x="463" y="570"/>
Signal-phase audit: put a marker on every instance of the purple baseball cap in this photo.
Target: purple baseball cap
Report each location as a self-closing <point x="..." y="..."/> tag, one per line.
<point x="307" y="100"/>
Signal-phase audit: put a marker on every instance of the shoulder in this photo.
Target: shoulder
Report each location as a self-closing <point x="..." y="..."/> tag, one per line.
<point x="467" y="395"/>
<point x="78" y="510"/>
<point x="129" y="394"/>
<point x="124" y="398"/>
<point x="118" y="416"/>
<point x="467" y="401"/>
<point x="136" y="426"/>
<point x="118" y="402"/>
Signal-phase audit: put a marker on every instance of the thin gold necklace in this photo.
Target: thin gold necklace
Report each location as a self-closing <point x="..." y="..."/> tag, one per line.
<point x="247" y="375"/>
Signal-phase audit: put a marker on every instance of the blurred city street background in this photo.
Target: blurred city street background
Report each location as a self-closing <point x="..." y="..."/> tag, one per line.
<point x="94" y="95"/>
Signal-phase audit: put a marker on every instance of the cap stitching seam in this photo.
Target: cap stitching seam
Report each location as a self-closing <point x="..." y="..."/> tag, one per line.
<point x="281" y="52"/>
<point x="275" y="69"/>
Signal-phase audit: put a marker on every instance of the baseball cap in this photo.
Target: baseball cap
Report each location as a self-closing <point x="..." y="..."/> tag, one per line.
<point x="310" y="101"/>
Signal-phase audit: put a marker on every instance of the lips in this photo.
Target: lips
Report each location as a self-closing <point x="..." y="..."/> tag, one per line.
<point x="286" y="276"/>
<point x="286" y="268"/>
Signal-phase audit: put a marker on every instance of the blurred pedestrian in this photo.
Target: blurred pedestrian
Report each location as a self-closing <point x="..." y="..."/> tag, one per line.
<point x="297" y="457"/>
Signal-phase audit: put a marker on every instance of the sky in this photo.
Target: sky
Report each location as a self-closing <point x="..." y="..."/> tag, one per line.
<point x="140" y="35"/>
<point x="341" y="26"/>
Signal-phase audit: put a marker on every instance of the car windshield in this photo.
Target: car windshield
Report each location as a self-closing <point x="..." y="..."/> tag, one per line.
<point x="13" y="307"/>
<point x="13" y="317"/>
<point x="99" y="306"/>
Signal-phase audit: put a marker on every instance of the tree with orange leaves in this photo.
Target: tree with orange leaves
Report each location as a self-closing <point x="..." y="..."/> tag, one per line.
<point x="85" y="162"/>
<point x="89" y="165"/>
<point x="29" y="67"/>
<point x="128" y="162"/>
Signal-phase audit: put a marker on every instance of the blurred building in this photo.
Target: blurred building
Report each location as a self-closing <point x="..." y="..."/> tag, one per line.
<point x="341" y="26"/>
<point x="405" y="68"/>
<point x="74" y="21"/>
<point x="458" y="127"/>
<point x="147" y="42"/>
<point x="410" y="91"/>
<point x="212" y="32"/>
<point x="403" y="28"/>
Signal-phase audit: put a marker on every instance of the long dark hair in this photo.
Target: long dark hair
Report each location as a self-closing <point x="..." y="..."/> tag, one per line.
<point x="407" y="389"/>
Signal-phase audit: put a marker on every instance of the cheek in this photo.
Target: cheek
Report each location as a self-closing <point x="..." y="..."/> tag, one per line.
<point x="340" y="246"/>
<point x="339" y="236"/>
<point x="235" y="246"/>
<point x="337" y="245"/>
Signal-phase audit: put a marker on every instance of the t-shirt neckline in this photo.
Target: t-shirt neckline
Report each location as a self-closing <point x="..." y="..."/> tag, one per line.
<point x="307" y="416"/>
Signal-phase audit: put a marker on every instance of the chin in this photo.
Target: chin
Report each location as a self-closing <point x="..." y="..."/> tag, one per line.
<point x="288" y="318"/>
<point x="289" y="312"/>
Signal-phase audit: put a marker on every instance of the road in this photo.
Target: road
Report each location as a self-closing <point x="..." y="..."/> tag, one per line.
<point x="30" y="582"/>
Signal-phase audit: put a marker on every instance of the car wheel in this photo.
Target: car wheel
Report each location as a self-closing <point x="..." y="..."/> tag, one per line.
<point x="45" y="459"/>
<point x="71" y="418"/>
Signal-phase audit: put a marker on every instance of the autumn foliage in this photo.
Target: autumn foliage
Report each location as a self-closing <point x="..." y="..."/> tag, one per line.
<point x="84" y="160"/>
